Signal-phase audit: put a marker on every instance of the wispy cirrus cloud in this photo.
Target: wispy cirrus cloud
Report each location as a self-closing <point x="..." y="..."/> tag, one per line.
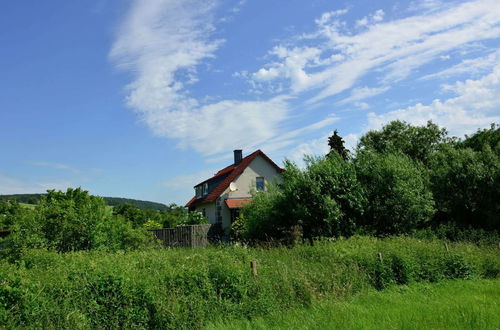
<point x="162" y="43"/>
<point x="468" y="66"/>
<point x="57" y="166"/>
<point x="11" y="185"/>
<point x="476" y="104"/>
<point x="334" y="57"/>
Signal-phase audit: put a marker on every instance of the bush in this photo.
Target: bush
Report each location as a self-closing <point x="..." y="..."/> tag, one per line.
<point x="465" y="186"/>
<point x="185" y="288"/>
<point x="194" y="218"/>
<point x="396" y="188"/>
<point x="71" y="221"/>
<point x="324" y="199"/>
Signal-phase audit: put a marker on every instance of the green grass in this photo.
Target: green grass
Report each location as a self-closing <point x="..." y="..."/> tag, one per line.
<point x="28" y="206"/>
<point x="189" y="288"/>
<point x="455" y="304"/>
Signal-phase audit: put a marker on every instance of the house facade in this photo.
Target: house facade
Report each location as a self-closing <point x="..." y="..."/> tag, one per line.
<point x="220" y="197"/>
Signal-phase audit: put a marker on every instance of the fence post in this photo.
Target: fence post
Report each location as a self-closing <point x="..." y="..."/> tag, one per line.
<point x="253" y="265"/>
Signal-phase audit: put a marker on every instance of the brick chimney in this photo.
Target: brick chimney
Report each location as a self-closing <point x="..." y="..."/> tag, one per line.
<point x="238" y="156"/>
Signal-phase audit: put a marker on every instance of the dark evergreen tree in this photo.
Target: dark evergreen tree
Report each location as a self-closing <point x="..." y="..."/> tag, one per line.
<point x="336" y="144"/>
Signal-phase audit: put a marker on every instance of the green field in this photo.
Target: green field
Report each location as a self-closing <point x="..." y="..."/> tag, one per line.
<point x="190" y="288"/>
<point x="459" y="304"/>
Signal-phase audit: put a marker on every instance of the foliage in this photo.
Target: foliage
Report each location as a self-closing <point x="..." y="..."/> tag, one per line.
<point x="112" y="201"/>
<point x="465" y="186"/>
<point x="187" y="288"/>
<point x="417" y="142"/>
<point x="9" y="210"/>
<point x="238" y="228"/>
<point x="194" y="218"/>
<point x="325" y="199"/>
<point x="457" y="304"/>
<point x="265" y="216"/>
<point x="143" y="205"/>
<point x="413" y="177"/>
<point x="482" y="138"/>
<point x="336" y="144"/>
<point x="453" y="232"/>
<point x="71" y="221"/>
<point x="397" y="190"/>
<point x="172" y="217"/>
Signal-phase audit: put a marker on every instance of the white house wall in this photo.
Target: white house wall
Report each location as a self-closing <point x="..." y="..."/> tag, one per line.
<point x="245" y="183"/>
<point x="209" y="211"/>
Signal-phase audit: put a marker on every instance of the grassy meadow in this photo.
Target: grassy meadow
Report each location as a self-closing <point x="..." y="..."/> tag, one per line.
<point x="191" y="288"/>
<point x="457" y="304"/>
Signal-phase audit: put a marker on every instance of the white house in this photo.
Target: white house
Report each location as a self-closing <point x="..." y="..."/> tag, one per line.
<point x="221" y="197"/>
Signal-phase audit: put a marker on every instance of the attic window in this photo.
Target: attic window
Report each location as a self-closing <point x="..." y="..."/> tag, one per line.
<point x="197" y="189"/>
<point x="259" y="183"/>
<point x="205" y="189"/>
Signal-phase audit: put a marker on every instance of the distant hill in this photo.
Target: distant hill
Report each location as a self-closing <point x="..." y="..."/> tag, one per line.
<point x="112" y="201"/>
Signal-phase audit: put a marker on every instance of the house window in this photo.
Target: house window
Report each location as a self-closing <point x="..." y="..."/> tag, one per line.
<point x="205" y="189"/>
<point x="259" y="183"/>
<point x="204" y="212"/>
<point x="198" y="191"/>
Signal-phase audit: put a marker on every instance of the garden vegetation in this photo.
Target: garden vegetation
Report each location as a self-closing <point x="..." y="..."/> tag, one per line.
<point x="410" y="205"/>
<point x="401" y="180"/>
<point x="189" y="288"/>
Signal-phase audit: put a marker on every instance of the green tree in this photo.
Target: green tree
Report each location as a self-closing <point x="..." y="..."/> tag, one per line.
<point x="325" y="199"/>
<point x="71" y="221"/>
<point x="71" y="218"/>
<point x="486" y="137"/>
<point x="397" y="190"/>
<point x="130" y="212"/>
<point x="9" y="211"/>
<point x="194" y="218"/>
<point x="465" y="184"/>
<point x="336" y="144"/>
<point x="417" y="142"/>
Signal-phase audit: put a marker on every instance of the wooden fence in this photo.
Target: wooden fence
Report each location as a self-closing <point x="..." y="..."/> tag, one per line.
<point x="188" y="236"/>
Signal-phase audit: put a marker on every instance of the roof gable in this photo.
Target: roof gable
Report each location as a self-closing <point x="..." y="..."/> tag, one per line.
<point x="233" y="171"/>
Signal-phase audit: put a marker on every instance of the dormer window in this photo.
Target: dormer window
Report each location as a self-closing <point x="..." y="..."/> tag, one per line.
<point x="205" y="189"/>
<point x="259" y="183"/>
<point x="198" y="191"/>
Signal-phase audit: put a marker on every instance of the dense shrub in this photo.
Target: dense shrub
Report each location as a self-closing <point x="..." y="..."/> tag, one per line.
<point x="181" y="288"/>
<point x="70" y="221"/>
<point x="465" y="186"/>
<point x="417" y="142"/>
<point x="453" y="232"/>
<point x="396" y="188"/>
<point x="324" y="199"/>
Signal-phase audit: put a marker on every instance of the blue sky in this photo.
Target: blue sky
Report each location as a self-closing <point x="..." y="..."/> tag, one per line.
<point x="145" y="98"/>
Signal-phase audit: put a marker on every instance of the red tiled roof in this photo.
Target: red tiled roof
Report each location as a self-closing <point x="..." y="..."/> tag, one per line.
<point x="237" y="203"/>
<point x="234" y="171"/>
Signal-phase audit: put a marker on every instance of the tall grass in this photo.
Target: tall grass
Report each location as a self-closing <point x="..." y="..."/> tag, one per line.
<point x="181" y="288"/>
<point x="455" y="304"/>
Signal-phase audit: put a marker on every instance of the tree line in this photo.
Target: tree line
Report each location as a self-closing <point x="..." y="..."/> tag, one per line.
<point x="75" y="220"/>
<point x="400" y="179"/>
<point x="112" y="201"/>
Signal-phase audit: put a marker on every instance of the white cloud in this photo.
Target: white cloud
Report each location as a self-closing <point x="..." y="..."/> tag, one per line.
<point x="10" y="185"/>
<point x="362" y="93"/>
<point x="315" y="147"/>
<point x="476" y="105"/>
<point x="373" y="18"/>
<point x="391" y="50"/>
<point x="468" y="66"/>
<point x="319" y="147"/>
<point x="58" y="166"/>
<point x="162" y="42"/>
<point x="187" y="181"/>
